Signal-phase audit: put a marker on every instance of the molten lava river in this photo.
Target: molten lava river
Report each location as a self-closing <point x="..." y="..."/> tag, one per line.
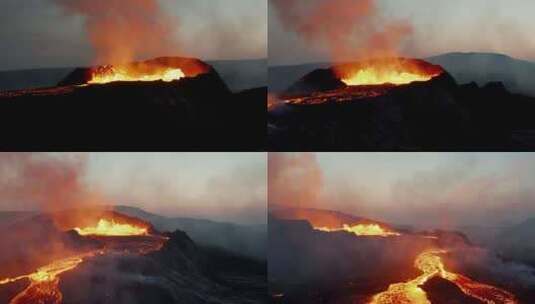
<point x="430" y="264"/>
<point x="44" y="282"/>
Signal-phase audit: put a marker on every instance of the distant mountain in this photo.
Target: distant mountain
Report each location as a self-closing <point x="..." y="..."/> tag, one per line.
<point x="517" y="243"/>
<point x="518" y="76"/>
<point x="239" y="239"/>
<point x="238" y="74"/>
<point x="321" y="113"/>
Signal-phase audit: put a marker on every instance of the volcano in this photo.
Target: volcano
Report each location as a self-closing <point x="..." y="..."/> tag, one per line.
<point x="396" y="104"/>
<point x="167" y="103"/>
<point x="119" y="259"/>
<point x="414" y="267"/>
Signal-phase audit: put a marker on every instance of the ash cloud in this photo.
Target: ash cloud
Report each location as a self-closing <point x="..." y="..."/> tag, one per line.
<point x="69" y="33"/>
<point x="31" y="181"/>
<point x="121" y="33"/>
<point x="345" y="29"/>
<point x="226" y="35"/>
<point x="294" y="180"/>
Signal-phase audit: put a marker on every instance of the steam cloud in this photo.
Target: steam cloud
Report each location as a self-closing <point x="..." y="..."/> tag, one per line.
<point x="46" y="181"/>
<point x="348" y="28"/>
<point x="121" y="32"/>
<point x="294" y="180"/>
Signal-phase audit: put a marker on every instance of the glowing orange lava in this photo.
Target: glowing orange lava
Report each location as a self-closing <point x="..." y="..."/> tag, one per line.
<point x="44" y="282"/>
<point x="362" y="230"/>
<point x="430" y="263"/>
<point x="374" y="76"/>
<point x="107" y="74"/>
<point x="111" y="228"/>
<point x="395" y="71"/>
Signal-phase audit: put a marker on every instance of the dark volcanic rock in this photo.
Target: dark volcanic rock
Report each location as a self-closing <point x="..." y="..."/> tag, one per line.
<point x="189" y="114"/>
<point x="440" y="291"/>
<point x="318" y="80"/>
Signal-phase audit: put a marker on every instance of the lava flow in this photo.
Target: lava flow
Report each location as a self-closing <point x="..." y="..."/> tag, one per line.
<point x="396" y="71"/>
<point x="44" y="282"/>
<point x="111" y="228"/>
<point x="115" y="238"/>
<point x="109" y="73"/>
<point x="430" y="264"/>
<point x="362" y="230"/>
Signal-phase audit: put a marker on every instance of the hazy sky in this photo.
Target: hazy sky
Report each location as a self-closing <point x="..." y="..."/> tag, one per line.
<point x="503" y="26"/>
<point x="218" y="186"/>
<point x="37" y="33"/>
<point x="431" y="189"/>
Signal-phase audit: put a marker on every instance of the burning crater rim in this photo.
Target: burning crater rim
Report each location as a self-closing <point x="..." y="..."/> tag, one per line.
<point x="395" y="71"/>
<point x="390" y="84"/>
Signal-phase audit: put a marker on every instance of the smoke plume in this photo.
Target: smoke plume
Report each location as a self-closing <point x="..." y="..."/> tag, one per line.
<point x="294" y="180"/>
<point x="348" y="28"/>
<point x="121" y="31"/>
<point x="41" y="181"/>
